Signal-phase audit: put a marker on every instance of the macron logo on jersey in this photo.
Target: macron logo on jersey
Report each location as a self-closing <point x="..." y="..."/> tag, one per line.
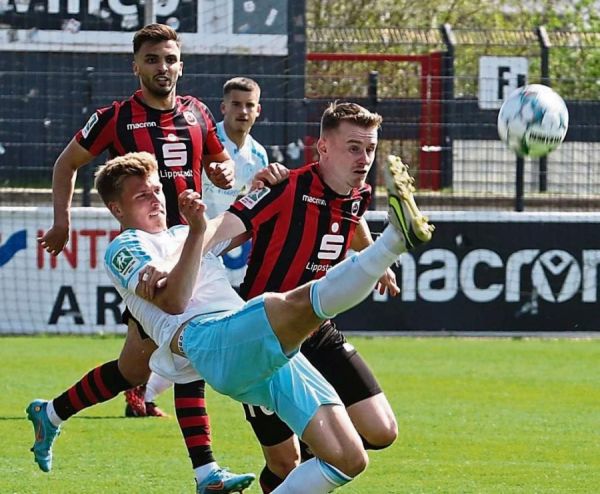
<point x="254" y="196"/>
<point x="314" y="200"/>
<point x="140" y="125"/>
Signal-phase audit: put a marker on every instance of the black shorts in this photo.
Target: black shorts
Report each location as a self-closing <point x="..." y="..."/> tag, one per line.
<point x="126" y="316"/>
<point x="339" y="362"/>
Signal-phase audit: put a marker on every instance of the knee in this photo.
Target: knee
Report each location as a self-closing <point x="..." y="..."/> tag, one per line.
<point x="354" y="462"/>
<point x="282" y="465"/>
<point x="382" y="436"/>
<point x="135" y="370"/>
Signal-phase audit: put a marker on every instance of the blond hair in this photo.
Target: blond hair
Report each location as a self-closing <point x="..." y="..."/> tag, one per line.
<point x="109" y="177"/>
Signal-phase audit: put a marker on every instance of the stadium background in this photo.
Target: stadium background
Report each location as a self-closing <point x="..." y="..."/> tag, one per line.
<point x="515" y="249"/>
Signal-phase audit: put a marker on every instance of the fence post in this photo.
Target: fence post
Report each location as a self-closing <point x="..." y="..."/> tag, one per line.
<point x="294" y="93"/>
<point x="545" y="56"/>
<point x="373" y="101"/>
<point x="447" y="103"/>
<point x="87" y="172"/>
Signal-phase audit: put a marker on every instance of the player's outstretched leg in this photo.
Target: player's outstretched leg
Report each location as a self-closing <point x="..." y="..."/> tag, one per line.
<point x="403" y="211"/>
<point x="45" y="433"/>
<point x="221" y="481"/>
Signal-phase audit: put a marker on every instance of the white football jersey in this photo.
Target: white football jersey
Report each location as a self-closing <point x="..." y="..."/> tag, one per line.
<point x="249" y="159"/>
<point x="128" y="253"/>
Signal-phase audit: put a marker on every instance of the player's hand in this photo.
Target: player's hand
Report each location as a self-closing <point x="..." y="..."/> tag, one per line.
<point x="221" y="174"/>
<point x="192" y="209"/>
<point x="388" y="282"/>
<point x="55" y="239"/>
<point x="150" y="279"/>
<point x="273" y="174"/>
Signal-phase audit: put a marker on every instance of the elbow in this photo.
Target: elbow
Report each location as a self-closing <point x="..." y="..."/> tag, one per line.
<point x="173" y="307"/>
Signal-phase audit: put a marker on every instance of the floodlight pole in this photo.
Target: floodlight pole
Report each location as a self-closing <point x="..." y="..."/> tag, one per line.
<point x="545" y="44"/>
<point x="519" y="185"/>
<point x="149" y="12"/>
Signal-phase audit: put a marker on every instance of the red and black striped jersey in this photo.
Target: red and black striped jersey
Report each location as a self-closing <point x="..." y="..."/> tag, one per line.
<point x="300" y="228"/>
<point x="179" y="138"/>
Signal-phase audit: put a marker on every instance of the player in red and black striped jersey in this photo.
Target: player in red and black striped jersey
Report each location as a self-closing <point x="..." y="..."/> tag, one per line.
<point x="181" y="137"/>
<point x="301" y="228"/>
<point x="180" y="131"/>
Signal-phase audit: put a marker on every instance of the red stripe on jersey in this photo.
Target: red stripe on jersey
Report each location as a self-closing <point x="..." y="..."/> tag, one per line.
<point x="269" y="257"/>
<point x="141" y="136"/>
<point x="310" y="230"/>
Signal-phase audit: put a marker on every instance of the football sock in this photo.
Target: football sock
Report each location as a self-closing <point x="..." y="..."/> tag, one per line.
<point x="203" y="471"/>
<point x="268" y="480"/>
<point x="52" y="415"/>
<point x="194" y="423"/>
<point x="155" y="386"/>
<point x="350" y="282"/>
<point x="393" y="240"/>
<point x="314" y="476"/>
<point x="98" y="385"/>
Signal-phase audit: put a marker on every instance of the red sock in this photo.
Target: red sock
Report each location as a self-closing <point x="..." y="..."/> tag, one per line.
<point x="99" y="385"/>
<point x="194" y="423"/>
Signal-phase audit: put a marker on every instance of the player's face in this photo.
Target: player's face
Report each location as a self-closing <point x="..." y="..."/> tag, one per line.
<point x="142" y="204"/>
<point x="240" y="110"/>
<point x="348" y="153"/>
<point x="158" y="65"/>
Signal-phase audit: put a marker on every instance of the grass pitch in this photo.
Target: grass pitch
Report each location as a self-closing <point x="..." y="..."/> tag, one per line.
<point x="475" y="416"/>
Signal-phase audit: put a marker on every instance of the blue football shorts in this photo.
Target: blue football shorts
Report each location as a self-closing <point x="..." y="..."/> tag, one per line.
<point x="238" y="354"/>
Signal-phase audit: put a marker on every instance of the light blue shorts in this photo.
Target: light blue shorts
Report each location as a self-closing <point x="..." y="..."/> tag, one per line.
<point x="239" y="355"/>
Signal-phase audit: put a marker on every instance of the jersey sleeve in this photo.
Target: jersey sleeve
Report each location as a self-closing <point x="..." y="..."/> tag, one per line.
<point x="98" y="133"/>
<point x="212" y="143"/>
<point x="125" y="256"/>
<point x="366" y="194"/>
<point x="260" y="205"/>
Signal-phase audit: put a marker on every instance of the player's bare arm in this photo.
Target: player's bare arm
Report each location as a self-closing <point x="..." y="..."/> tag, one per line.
<point x="175" y="291"/>
<point x="362" y="239"/>
<point x="73" y="157"/>
<point x="220" y="169"/>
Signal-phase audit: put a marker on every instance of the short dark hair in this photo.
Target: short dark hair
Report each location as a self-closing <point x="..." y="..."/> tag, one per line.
<point x="240" y="84"/>
<point x="338" y="112"/>
<point x="154" y="33"/>
<point x="109" y="177"/>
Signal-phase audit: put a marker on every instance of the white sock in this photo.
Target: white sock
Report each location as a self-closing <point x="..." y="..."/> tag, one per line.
<point x="351" y="281"/>
<point x="314" y="476"/>
<point x="204" y="470"/>
<point x="52" y="415"/>
<point x="155" y="386"/>
<point x="393" y="240"/>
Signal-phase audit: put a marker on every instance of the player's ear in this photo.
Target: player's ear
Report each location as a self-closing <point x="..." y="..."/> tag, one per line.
<point x="322" y="145"/>
<point x="180" y="68"/>
<point x="134" y="67"/>
<point x="223" y="108"/>
<point x="115" y="209"/>
<point x="258" y="109"/>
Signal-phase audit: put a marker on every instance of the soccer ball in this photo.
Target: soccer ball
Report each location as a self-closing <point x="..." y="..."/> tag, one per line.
<point x="533" y="120"/>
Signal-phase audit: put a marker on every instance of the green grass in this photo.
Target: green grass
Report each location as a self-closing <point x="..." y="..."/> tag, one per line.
<point x="475" y="416"/>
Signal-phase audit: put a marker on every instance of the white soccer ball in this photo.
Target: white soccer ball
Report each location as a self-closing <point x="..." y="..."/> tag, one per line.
<point x="533" y="120"/>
